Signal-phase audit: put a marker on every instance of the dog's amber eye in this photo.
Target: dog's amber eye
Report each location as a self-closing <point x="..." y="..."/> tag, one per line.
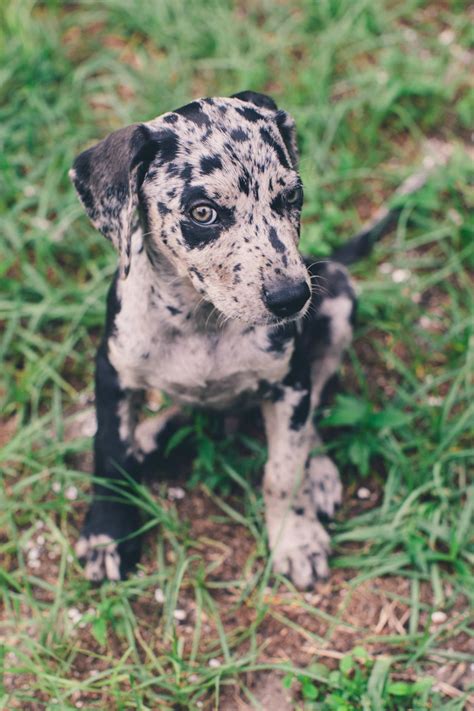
<point x="203" y="214"/>
<point x="292" y="196"/>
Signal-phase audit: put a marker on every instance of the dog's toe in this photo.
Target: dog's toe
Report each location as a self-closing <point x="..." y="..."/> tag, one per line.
<point x="100" y="557"/>
<point x="324" y="486"/>
<point x="109" y="546"/>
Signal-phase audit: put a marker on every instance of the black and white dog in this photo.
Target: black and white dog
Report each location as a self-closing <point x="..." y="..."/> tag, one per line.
<point x="214" y="305"/>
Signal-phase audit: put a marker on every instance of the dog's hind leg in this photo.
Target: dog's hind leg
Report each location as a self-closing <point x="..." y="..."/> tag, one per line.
<point x="152" y="433"/>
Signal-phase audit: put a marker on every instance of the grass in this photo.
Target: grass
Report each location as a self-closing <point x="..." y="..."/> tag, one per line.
<point x="204" y="620"/>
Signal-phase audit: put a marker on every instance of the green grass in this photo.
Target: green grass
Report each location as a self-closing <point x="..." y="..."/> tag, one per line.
<point x="368" y="83"/>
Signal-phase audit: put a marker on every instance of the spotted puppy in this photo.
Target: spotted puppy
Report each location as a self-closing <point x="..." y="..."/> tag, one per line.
<point x="213" y="305"/>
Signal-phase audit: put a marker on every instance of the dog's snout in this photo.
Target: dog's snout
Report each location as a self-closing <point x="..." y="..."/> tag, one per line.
<point x="286" y="299"/>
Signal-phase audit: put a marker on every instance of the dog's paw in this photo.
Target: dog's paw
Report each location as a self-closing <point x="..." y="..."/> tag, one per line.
<point x="300" y="548"/>
<point x="105" y="547"/>
<point x="99" y="556"/>
<point x="323" y="486"/>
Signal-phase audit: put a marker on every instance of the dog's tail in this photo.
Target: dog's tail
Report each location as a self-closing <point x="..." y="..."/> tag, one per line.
<point x="361" y="244"/>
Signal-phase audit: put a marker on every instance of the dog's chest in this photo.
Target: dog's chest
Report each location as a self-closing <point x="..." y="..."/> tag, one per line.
<point x="208" y="369"/>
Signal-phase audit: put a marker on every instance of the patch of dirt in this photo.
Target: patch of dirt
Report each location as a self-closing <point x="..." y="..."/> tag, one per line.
<point x="267" y="689"/>
<point x="322" y="624"/>
<point x="8" y="429"/>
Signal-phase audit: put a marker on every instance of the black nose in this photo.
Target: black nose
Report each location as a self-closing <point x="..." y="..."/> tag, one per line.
<point x="287" y="298"/>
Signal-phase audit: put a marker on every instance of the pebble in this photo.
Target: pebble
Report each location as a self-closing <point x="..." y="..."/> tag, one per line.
<point x="179" y="615"/>
<point x="176" y="492"/>
<point x="434" y="400"/>
<point x="385" y="268"/>
<point x="400" y="275"/>
<point x="439" y="617"/>
<point x="214" y="663"/>
<point x="159" y="596"/>
<point x="71" y="493"/>
<point x="447" y="36"/>
<point x="56" y="487"/>
<point x="455" y="216"/>
<point x="363" y="493"/>
<point x="426" y="322"/>
<point x="74" y="615"/>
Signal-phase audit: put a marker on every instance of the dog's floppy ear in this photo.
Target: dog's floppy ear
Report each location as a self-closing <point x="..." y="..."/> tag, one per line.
<point x="107" y="178"/>
<point x="285" y="123"/>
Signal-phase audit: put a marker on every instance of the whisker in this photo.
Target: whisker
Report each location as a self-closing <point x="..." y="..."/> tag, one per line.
<point x="319" y="261"/>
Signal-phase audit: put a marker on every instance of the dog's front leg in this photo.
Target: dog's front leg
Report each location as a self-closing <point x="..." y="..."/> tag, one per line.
<point x="107" y="546"/>
<point x="298" y="542"/>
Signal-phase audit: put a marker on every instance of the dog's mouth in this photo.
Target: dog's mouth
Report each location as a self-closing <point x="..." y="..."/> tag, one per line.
<point x="275" y="321"/>
<point x="271" y="320"/>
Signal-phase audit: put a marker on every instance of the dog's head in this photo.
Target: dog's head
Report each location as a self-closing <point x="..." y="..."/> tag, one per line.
<point x="216" y="182"/>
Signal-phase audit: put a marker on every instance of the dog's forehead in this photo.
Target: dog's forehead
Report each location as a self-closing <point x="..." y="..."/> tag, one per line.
<point x="217" y="138"/>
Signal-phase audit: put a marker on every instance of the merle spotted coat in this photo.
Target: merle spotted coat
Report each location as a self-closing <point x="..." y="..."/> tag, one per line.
<point x="213" y="305"/>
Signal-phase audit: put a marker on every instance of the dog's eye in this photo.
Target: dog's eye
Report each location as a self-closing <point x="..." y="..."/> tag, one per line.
<point x="203" y="214"/>
<point x="293" y="196"/>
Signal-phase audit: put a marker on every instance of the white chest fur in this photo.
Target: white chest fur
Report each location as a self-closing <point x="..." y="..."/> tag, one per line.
<point x="194" y="363"/>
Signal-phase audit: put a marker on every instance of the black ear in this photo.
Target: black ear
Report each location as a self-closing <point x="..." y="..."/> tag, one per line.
<point x="107" y="178"/>
<point x="285" y="123"/>
<point x="253" y="97"/>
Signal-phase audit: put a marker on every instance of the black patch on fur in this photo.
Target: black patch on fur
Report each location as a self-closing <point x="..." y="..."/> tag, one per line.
<point x="187" y="172"/>
<point x="238" y="135"/>
<point x="249" y="114"/>
<point x="192" y="194"/>
<point x="167" y="145"/>
<point x="113" y="308"/>
<point x="276" y="243"/>
<point x="277" y="393"/>
<point x="244" y="182"/>
<point x="197" y="273"/>
<point x="173" y="310"/>
<point x="280" y="203"/>
<point x="170" y="118"/>
<point x="269" y="140"/>
<point x="277" y="204"/>
<point x="198" y="236"/>
<point x="162" y="209"/>
<point x="298" y="378"/>
<point x="172" y="169"/>
<point x="210" y="163"/>
<point x="287" y="132"/>
<point x="193" y="112"/>
<point x="278" y="337"/>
